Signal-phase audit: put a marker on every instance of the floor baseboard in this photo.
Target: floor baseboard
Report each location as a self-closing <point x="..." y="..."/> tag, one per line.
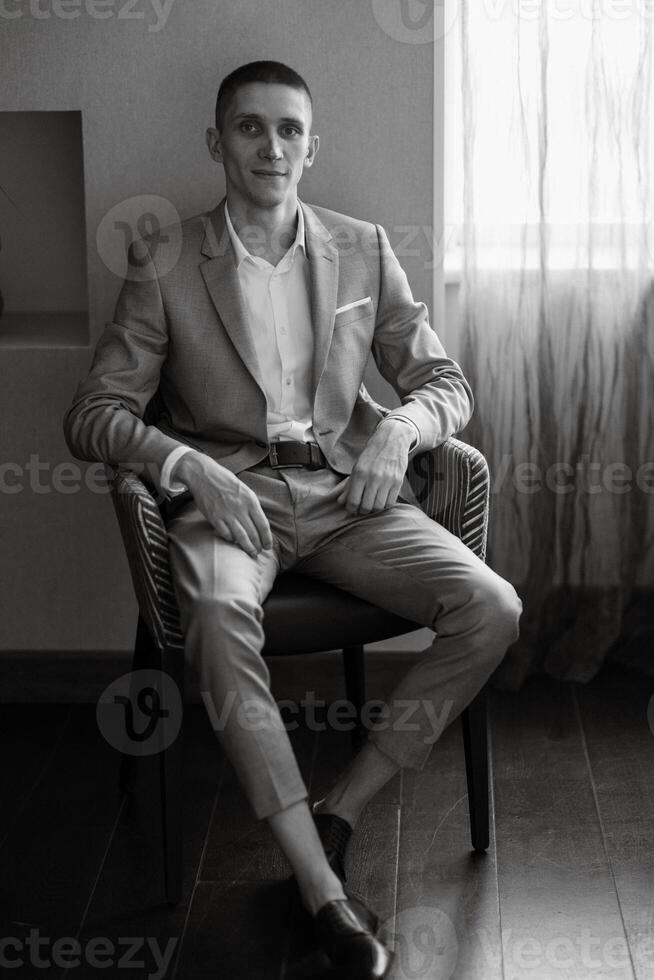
<point x="80" y="677"/>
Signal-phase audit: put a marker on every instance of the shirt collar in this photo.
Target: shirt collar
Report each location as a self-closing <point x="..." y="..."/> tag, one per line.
<point x="242" y="253"/>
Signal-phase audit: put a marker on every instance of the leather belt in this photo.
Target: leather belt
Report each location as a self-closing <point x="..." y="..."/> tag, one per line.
<point x="288" y="453"/>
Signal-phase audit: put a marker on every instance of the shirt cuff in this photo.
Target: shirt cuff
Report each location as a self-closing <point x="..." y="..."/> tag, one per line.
<point x="403" y="418"/>
<point x="173" y="487"/>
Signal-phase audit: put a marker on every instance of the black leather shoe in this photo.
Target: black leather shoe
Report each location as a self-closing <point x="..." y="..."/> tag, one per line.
<point x="369" y="918"/>
<point x="353" y="950"/>
<point x="335" y="833"/>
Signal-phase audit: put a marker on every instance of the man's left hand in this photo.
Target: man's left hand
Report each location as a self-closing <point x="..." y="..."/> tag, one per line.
<point x="375" y="481"/>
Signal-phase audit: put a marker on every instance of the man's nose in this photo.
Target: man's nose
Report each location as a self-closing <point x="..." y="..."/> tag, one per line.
<point x="271" y="149"/>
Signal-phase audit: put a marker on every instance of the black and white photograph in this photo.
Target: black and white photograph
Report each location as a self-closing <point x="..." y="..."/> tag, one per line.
<point x="327" y="489"/>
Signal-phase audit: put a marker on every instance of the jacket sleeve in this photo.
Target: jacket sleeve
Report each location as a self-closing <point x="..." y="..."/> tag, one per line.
<point x="105" y="420"/>
<point x="435" y="395"/>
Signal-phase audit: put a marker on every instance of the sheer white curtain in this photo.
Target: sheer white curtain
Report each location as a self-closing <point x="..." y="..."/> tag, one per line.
<point x="550" y="194"/>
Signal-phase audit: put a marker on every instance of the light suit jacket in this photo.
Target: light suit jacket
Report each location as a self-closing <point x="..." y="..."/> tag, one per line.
<point x="180" y="333"/>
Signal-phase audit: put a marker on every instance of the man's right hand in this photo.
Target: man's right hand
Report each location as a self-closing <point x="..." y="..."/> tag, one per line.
<point x="226" y="502"/>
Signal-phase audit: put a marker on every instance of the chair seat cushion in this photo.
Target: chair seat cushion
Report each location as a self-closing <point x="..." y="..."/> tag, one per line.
<point x="304" y="615"/>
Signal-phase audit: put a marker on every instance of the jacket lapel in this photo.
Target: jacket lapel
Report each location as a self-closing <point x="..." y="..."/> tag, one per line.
<point x="221" y="279"/>
<point x="323" y="271"/>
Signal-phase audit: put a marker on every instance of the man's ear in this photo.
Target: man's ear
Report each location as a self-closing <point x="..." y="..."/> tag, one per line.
<point x="213" y="142"/>
<point x="314" y="143"/>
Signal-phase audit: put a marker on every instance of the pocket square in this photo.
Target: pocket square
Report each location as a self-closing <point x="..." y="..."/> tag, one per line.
<point x="351" y="306"/>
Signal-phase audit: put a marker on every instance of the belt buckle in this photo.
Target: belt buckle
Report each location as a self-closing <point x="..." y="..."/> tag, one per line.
<point x="274" y="458"/>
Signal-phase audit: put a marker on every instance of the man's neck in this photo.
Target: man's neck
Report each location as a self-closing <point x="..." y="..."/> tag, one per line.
<point x="274" y="228"/>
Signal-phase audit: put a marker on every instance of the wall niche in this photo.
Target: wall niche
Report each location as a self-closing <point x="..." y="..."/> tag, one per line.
<point x="43" y="276"/>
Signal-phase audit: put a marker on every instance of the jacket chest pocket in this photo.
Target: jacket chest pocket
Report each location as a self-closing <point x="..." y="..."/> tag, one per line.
<point x="351" y="312"/>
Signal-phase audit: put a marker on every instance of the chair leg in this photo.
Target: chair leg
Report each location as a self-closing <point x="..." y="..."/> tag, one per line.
<point x="355" y="688"/>
<point x="145" y="656"/>
<point x="475" y="744"/>
<point x="172" y="795"/>
<point x="172" y="788"/>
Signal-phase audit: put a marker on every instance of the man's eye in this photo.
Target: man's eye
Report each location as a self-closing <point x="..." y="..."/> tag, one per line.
<point x="290" y="131"/>
<point x="247" y="127"/>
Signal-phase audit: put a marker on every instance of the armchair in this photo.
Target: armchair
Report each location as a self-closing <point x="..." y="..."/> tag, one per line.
<point x="451" y="484"/>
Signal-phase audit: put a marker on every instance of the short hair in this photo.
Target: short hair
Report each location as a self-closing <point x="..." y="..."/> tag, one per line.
<point x="269" y="72"/>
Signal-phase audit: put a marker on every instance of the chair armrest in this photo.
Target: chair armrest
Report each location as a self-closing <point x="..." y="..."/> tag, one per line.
<point x="451" y="483"/>
<point x="146" y="543"/>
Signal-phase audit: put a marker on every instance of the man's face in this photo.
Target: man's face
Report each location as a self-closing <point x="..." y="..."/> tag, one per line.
<point x="265" y="143"/>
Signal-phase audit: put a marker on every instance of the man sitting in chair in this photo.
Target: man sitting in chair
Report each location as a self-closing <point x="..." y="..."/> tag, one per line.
<point x="256" y="338"/>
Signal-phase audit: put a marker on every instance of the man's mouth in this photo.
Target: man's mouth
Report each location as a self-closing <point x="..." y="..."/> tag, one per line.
<point x="269" y="174"/>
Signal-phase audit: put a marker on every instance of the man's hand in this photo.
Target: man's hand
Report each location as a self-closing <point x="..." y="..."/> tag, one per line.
<point x="226" y="502"/>
<point x="378" y="474"/>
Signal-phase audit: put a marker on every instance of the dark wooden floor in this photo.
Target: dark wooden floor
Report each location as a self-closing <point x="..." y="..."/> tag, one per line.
<point x="565" y="891"/>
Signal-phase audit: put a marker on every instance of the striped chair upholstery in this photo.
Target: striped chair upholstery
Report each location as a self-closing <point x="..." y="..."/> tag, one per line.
<point x="451" y="484"/>
<point x="146" y="543"/>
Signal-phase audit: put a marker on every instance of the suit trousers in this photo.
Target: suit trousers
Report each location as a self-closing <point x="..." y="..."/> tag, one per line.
<point x="399" y="559"/>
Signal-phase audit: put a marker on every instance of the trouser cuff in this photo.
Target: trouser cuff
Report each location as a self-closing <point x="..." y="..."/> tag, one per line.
<point x="405" y="752"/>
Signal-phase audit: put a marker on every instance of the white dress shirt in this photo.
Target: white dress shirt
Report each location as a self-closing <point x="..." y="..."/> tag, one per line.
<point x="278" y="304"/>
